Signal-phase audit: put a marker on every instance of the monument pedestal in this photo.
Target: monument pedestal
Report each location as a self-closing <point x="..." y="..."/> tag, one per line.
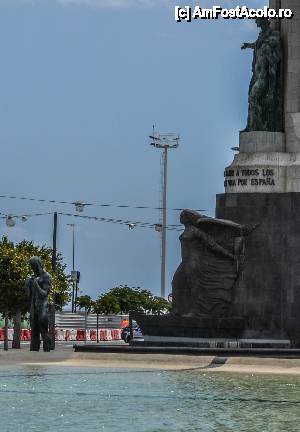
<point x="203" y="332"/>
<point x="268" y="296"/>
<point x="190" y="327"/>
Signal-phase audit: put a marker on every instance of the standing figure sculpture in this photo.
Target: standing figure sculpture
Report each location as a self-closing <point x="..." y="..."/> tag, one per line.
<point x="37" y="288"/>
<point x="266" y="87"/>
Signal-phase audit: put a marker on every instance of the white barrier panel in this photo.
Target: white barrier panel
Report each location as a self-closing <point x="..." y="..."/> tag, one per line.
<point x="73" y="334"/>
<point x="59" y="334"/>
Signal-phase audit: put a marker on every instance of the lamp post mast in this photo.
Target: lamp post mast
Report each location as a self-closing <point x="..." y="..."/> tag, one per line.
<point x="165" y="142"/>
<point x="164" y="226"/>
<point x="73" y="266"/>
<point x="52" y="305"/>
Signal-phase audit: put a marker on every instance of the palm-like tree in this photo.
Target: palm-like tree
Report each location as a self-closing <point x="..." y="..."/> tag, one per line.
<point x="85" y="302"/>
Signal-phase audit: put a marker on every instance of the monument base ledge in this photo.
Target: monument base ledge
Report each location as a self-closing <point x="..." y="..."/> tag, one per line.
<point x="167" y="341"/>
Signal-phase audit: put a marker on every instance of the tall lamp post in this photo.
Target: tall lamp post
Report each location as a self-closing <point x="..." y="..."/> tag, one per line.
<point x="52" y="305"/>
<point x="164" y="141"/>
<point x="73" y="265"/>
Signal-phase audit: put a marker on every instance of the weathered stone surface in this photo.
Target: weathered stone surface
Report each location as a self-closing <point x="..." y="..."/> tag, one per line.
<point x="292" y="123"/>
<point x="212" y="265"/>
<point x="266" y="303"/>
<point x="259" y="172"/>
<point x="263" y="173"/>
<point x="190" y="327"/>
<point x="262" y="142"/>
<point x="269" y="293"/>
<point x="290" y="33"/>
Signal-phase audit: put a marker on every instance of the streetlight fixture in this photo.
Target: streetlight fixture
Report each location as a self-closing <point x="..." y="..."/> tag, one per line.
<point x="79" y="206"/>
<point x="10" y="222"/>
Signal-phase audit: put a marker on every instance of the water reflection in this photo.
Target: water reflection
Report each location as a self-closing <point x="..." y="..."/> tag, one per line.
<point x="58" y="399"/>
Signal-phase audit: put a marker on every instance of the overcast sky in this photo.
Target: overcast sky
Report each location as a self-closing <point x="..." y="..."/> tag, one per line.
<point x="81" y="84"/>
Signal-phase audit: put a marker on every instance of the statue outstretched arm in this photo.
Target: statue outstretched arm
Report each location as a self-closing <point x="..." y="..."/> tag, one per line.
<point x="250" y="45"/>
<point x="211" y="243"/>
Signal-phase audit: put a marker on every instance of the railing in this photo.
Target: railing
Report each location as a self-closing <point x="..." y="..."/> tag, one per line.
<point x="77" y="320"/>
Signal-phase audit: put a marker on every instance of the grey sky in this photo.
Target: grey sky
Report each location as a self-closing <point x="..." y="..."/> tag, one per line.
<point x="82" y="82"/>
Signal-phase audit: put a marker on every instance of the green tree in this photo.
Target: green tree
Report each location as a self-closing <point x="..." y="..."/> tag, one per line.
<point x="107" y="304"/>
<point x="85" y="302"/>
<point x="133" y="299"/>
<point x="130" y="299"/>
<point x="159" y="306"/>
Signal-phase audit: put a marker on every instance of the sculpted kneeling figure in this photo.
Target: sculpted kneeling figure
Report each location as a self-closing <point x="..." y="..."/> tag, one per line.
<point x="38" y="287"/>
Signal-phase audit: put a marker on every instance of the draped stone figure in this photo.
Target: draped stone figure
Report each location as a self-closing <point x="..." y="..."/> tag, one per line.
<point x="266" y="87"/>
<point x="213" y="252"/>
<point x="38" y="287"/>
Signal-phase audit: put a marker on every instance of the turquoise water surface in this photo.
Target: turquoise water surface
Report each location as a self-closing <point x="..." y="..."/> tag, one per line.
<point x="62" y="399"/>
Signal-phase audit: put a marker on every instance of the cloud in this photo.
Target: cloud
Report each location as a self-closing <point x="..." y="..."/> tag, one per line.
<point x="94" y="3"/>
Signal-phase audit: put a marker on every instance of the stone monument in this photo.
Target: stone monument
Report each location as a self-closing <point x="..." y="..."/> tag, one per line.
<point x="205" y="286"/>
<point x="262" y="185"/>
<point x="38" y="287"/>
<point x="239" y="280"/>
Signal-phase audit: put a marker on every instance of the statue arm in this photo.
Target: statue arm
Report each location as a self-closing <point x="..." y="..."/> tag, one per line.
<point x="43" y="288"/>
<point x="250" y="45"/>
<point x="212" y="244"/>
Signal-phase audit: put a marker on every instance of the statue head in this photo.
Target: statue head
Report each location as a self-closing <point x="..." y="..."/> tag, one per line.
<point x="37" y="265"/>
<point x="190" y="217"/>
<point x="263" y="23"/>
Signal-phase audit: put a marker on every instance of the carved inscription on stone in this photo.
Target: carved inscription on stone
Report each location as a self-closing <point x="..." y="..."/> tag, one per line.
<point x="249" y="177"/>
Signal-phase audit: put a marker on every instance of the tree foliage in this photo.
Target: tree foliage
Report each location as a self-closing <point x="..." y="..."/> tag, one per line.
<point x="125" y="299"/>
<point x="15" y="268"/>
<point x="106" y="304"/>
<point x="85" y="302"/>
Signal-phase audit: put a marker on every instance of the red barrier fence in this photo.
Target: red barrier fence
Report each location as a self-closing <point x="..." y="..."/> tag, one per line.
<point x="93" y="335"/>
<point x="71" y="334"/>
<point x="25" y="335"/>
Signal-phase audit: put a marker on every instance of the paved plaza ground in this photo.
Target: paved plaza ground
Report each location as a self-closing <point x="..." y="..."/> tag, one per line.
<point x="65" y="356"/>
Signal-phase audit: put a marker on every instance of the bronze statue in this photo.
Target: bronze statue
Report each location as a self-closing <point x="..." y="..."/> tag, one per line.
<point x="266" y="87"/>
<point x="37" y="288"/>
<point x="213" y="252"/>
